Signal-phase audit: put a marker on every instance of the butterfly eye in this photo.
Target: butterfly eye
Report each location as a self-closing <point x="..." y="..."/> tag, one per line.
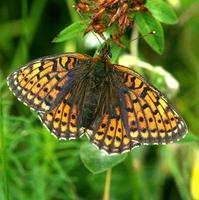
<point x="105" y="51"/>
<point x="109" y="54"/>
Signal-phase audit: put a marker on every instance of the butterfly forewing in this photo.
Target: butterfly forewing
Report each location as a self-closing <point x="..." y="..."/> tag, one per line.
<point x="43" y="83"/>
<point x="150" y="118"/>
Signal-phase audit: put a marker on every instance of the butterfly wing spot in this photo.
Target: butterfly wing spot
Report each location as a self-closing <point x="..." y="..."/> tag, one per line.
<point x="101" y="130"/>
<point x="172" y="119"/>
<point x="99" y="135"/>
<point x="15" y="82"/>
<point x="154" y="135"/>
<point x="63" y="61"/>
<point x="126" y="140"/>
<point x="65" y="118"/>
<point x="71" y="63"/>
<point x="118" y="132"/>
<point x="46" y="69"/>
<point x="150" y="119"/>
<point x="36" y="87"/>
<point x="28" y="78"/>
<point x="57" y="118"/>
<point x="163" y="103"/>
<point x="22" y="74"/>
<point x="49" y="117"/>
<point x="134" y="133"/>
<point x="73" y="120"/>
<point x="145" y="134"/>
<point x="110" y="132"/>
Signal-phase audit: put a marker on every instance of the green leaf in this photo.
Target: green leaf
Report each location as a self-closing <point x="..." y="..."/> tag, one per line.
<point x="146" y="24"/>
<point x="190" y="137"/>
<point x="116" y="52"/>
<point x="72" y="31"/>
<point x="162" y="11"/>
<point x="97" y="161"/>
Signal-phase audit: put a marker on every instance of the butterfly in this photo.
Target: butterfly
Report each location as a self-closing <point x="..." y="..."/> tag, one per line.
<point x="76" y="94"/>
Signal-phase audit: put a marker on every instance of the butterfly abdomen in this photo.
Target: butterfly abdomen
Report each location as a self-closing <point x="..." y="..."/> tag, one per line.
<point x="89" y="108"/>
<point x="92" y="95"/>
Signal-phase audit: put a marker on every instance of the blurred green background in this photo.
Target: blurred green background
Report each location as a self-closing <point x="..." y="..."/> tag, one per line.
<point x="34" y="165"/>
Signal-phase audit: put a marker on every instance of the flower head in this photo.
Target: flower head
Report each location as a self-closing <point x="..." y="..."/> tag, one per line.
<point x="113" y="15"/>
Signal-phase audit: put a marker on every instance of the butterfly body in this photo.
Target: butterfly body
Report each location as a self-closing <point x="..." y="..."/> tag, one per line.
<point x="91" y="101"/>
<point x="75" y="94"/>
<point x="98" y="80"/>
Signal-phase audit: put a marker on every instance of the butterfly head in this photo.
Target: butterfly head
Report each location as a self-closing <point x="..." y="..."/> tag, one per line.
<point x="105" y="51"/>
<point x="102" y="61"/>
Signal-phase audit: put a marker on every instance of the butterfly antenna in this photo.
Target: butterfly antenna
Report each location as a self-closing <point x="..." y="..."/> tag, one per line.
<point x="82" y="18"/>
<point x="145" y="35"/>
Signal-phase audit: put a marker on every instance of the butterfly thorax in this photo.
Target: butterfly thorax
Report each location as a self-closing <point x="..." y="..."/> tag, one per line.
<point x="97" y="82"/>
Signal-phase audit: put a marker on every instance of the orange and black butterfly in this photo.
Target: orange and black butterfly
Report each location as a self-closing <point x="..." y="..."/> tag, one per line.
<point x="75" y="94"/>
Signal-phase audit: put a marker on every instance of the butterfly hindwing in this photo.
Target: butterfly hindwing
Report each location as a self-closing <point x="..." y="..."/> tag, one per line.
<point x="109" y="133"/>
<point x="150" y="118"/>
<point x="42" y="83"/>
<point x="62" y="121"/>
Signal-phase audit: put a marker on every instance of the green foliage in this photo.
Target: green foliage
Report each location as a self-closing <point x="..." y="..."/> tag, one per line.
<point x="34" y="165"/>
<point x="162" y="11"/>
<point x="190" y="137"/>
<point x="70" y="32"/>
<point x="147" y="24"/>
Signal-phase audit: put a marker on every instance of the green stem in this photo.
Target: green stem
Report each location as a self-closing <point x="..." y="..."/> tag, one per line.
<point x="72" y="11"/>
<point x="107" y="185"/>
<point x="2" y="153"/>
<point x="134" y="42"/>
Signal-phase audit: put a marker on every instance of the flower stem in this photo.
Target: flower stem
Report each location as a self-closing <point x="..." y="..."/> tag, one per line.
<point x="134" y="42"/>
<point x="107" y="185"/>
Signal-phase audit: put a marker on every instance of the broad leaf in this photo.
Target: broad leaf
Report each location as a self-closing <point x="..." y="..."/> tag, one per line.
<point x="148" y="24"/>
<point x="162" y="11"/>
<point x="98" y="161"/>
<point x="190" y="137"/>
<point x="72" y="31"/>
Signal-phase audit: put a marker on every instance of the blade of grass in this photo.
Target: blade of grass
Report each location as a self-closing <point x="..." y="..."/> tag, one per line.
<point x="31" y="22"/>
<point x="168" y="154"/>
<point x="72" y="11"/>
<point x="3" y="152"/>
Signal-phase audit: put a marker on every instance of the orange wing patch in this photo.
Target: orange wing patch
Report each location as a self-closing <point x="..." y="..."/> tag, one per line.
<point x="110" y="135"/>
<point x="151" y="118"/>
<point x="62" y="120"/>
<point x="41" y="84"/>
